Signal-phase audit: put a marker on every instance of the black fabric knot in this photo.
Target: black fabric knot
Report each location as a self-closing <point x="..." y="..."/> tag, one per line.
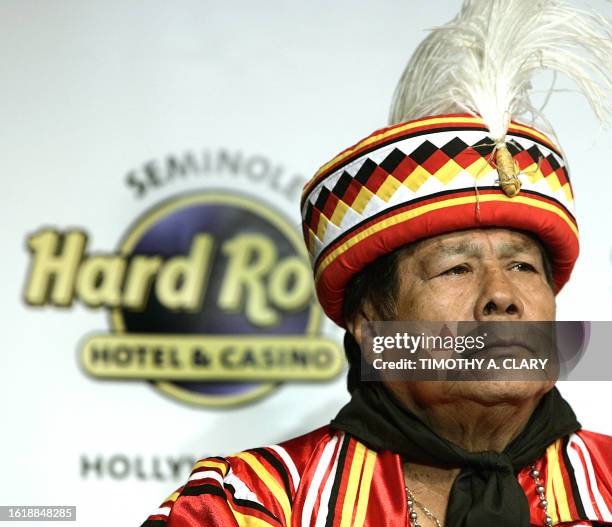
<point x="486" y="491"/>
<point x="490" y="460"/>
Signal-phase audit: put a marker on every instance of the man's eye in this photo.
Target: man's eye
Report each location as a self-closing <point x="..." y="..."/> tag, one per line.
<point x="523" y="266"/>
<point x="458" y="269"/>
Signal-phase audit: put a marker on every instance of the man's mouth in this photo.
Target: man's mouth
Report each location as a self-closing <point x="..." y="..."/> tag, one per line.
<point x="502" y="348"/>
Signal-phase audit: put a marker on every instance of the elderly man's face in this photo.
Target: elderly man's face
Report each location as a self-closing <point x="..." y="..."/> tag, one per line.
<point x="480" y="274"/>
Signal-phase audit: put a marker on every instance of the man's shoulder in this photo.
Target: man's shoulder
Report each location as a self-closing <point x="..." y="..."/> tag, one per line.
<point x="287" y="459"/>
<point x="254" y="485"/>
<point x="302" y="447"/>
<point x="594" y="439"/>
<point x="594" y="452"/>
<point x="584" y="458"/>
<point x="284" y="462"/>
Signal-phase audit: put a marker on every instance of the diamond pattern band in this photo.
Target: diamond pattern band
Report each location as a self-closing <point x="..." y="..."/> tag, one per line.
<point x="441" y="158"/>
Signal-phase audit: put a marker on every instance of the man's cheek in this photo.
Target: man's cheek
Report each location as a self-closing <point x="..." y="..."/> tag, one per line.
<point x="438" y="306"/>
<point x="542" y="306"/>
<point x="539" y="299"/>
<point x="452" y="301"/>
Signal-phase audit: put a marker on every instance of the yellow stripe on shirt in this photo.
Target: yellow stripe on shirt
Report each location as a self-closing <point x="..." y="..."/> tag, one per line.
<point x="364" y="488"/>
<point x="272" y="484"/>
<point x="558" y="506"/>
<point x="353" y="483"/>
<point x="209" y="463"/>
<point x="244" y="520"/>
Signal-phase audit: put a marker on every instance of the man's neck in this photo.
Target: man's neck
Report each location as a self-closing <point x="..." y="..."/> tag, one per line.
<point x="477" y="428"/>
<point x="473" y="424"/>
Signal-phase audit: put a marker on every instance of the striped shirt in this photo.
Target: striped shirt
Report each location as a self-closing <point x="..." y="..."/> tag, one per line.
<point x="327" y="478"/>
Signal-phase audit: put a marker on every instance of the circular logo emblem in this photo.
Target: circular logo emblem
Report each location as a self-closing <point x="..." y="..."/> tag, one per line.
<point x="217" y="304"/>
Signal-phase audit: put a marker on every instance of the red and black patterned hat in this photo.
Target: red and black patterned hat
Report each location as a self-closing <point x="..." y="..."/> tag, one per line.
<point x="428" y="177"/>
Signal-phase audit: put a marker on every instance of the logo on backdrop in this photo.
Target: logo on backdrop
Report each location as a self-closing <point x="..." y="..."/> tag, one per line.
<point x="210" y="298"/>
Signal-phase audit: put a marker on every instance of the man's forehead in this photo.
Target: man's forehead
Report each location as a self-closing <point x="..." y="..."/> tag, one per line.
<point x="503" y="241"/>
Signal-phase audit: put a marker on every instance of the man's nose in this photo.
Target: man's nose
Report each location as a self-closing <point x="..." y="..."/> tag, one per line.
<point x="498" y="297"/>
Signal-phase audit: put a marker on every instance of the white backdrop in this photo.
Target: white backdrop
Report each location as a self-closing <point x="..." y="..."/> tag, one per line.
<point x="92" y="90"/>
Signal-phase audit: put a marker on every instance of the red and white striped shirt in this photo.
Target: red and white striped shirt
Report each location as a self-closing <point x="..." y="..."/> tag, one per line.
<point x="327" y="478"/>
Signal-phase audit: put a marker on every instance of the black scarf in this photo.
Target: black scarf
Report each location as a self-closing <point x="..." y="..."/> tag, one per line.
<point x="486" y="491"/>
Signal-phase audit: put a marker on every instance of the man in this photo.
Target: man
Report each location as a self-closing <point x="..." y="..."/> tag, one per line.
<point x="445" y="216"/>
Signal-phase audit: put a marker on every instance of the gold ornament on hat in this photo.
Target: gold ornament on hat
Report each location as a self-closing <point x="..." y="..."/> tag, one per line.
<point x="508" y="170"/>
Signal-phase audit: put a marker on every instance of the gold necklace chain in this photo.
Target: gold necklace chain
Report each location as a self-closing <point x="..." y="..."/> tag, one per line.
<point x="413" y="503"/>
<point x="412" y="514"/>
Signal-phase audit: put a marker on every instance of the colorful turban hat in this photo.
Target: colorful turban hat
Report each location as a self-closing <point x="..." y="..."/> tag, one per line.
<point x="427" y="177"/>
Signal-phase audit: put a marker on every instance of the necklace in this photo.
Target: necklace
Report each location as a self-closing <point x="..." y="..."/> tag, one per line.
<point x="535" y="474"/>
<point x="412" y="514"/>
<point x="413" y="503"/>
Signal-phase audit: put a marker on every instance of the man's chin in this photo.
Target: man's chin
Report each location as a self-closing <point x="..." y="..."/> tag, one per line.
<point x="497" y="392"/>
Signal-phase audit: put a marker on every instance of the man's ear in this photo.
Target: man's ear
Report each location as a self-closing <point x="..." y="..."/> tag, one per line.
<point x="355" y="326"/>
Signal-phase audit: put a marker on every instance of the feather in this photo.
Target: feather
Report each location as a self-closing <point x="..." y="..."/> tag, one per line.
<point x="483" y="61"/>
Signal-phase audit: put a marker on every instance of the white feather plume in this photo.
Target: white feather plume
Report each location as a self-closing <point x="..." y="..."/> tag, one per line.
<point x="482" y="62"/>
